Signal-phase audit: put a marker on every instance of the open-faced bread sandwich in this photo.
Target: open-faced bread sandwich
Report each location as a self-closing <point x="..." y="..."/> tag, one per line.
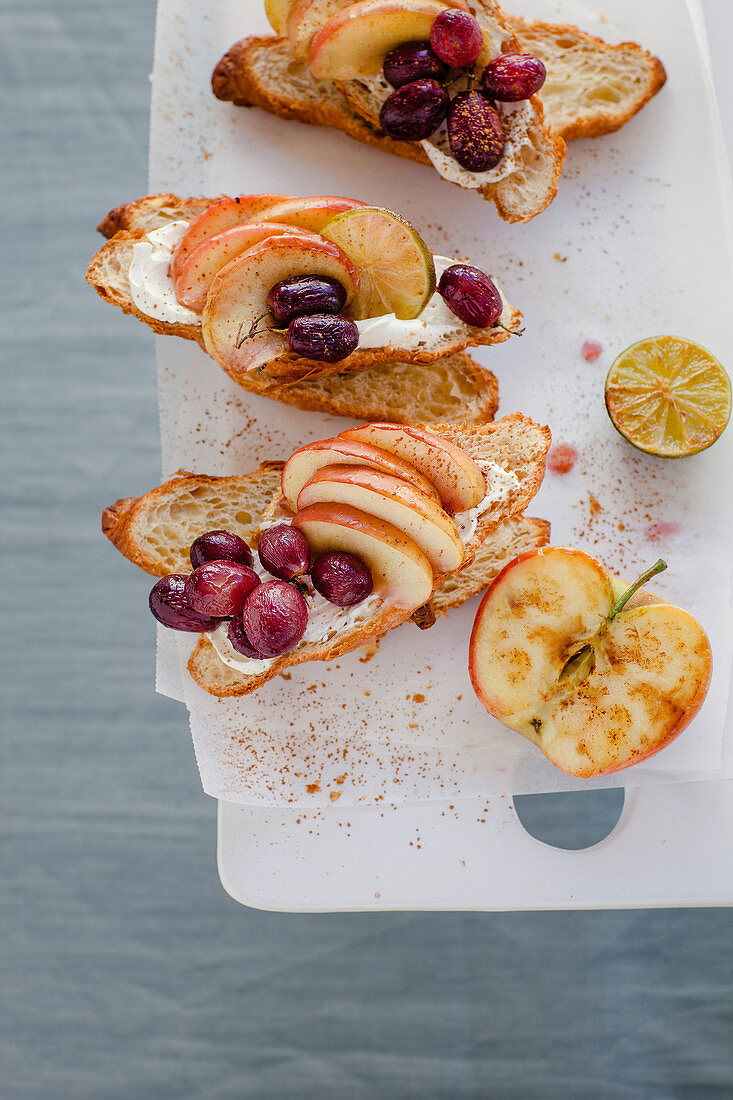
<point x="323" y="554"/>
<point x="590" y="88"/>
<point x="287" y="292"/>
<point x="421" y="78"/>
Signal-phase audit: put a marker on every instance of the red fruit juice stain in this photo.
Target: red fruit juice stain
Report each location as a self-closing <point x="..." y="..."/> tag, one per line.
<point x="590" y="350"/>
<point x="562" y="458"/>
<point x="657" y="531"/>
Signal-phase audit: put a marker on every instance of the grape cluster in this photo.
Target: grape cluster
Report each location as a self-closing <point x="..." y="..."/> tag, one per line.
<point x="420" y="103"/>
<point x="310" y="306"/>
<point x="266" y="619"/>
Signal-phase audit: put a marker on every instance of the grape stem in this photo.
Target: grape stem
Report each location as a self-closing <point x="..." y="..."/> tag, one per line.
<point x="254" y="328"/>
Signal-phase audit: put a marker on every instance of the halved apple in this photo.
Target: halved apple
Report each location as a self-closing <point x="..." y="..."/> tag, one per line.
<point x="597" y="686"/>
<point x="459" y="481"/>
<point x="400" y="570"/>
<point x="221" y="215"/>
<point x="214" y="253"/>
<point x="236" y="324"/>
<point x="309" y="213"/>
<point x="391" y="498"/>
<point x="354" y="41"/>
<point x="305" y="462"/>
<point x="277" y="12"/>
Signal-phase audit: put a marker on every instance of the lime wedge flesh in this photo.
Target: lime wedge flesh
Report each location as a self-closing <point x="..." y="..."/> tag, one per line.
<point x="395" y="266"/>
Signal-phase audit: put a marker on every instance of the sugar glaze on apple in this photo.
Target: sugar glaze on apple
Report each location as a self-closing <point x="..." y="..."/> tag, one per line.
<point x="598" y="676"/>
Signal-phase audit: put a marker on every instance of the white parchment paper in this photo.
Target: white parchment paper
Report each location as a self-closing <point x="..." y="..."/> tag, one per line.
<point x="637" y="243"/>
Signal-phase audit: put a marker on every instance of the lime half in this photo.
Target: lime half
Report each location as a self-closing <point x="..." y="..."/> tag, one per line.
<point x="668" y="396"/>
<point x="395" y="266"/>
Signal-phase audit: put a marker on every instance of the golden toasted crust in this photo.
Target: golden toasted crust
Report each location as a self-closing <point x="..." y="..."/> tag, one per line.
<point x="150" y="212"/>
<point x="237" y="79"/>
<point x="592" y="88"/>
<point x="155" y="532"/>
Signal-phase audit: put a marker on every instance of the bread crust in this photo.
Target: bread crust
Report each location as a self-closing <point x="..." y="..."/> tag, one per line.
<point x="237" y="79"/>
<point x="515" y="442"/>
<point x="650" y="72"/>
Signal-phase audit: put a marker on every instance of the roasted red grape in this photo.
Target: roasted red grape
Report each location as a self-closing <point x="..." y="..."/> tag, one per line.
<point x="284" y="552"/>
<point x="513" y="76"/>
<point x="240" y="641"/>
<point x="220" y="587"/>
<point x="456" y="38"/>
<point x="414" y="111"/>
<point x="475" y="132"/>
<point x="304" y="294"/>
<point x="471" y="295"/>
<point x="341" y="578"/>
<point x="323" y="336"/>
<point x="413" y="61"/>
<point x="220" y="546"/>
<point x="167" y="601"/>
<point x="274" y="618"/>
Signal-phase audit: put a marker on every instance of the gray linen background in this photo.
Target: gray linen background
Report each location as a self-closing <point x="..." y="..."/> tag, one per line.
<point x="127" y="970"/>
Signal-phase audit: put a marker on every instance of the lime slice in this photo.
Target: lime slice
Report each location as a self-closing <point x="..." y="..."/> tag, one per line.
<point x="395" y="266"/>
<point x="668" y="396"/>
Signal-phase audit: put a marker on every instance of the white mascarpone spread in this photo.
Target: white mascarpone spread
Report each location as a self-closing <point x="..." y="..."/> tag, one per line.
<point x="151" y="286"/>
<point x="516" y="119"/>
<point x="325" y="622"/>
<point x="436" y="322"/>
<point x="500" y="484"/>
<point x="154" y="294"/>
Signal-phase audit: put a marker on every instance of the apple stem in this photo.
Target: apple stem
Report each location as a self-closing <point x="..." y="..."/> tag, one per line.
<point x="658" y="567"/>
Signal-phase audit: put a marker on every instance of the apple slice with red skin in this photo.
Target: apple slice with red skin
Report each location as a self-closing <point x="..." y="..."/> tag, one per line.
<point x="214" y="253"/>
<point x="221" y="215"/>
<point x="393" y="499"/>
<point x="309" y="213"/>
<point x="459" y="481"/>
<point x="306" y="17"/>
<point x="304" y="463"/>
<point x="353" y="42"/>
<point x="596" y="688"/>
<point x="236" y="325"/>
<point x="401" y="573"/>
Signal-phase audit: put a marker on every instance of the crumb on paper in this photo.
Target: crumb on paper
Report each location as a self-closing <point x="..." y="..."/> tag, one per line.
<point x="560" y="259"/>
<point x="335" y="795"/>
<point x="369" y="650"/>
<point x="313" y="788"/>
<point x="590" y="350"/>
<point x="562" y="457"/>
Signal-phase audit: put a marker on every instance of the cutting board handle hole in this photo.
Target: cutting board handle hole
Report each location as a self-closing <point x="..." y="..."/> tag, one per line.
<point x="572" y="820"/>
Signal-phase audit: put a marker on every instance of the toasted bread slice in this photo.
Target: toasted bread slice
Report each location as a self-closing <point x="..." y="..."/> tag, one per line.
<point x="156" y="530"/>
<point x="592" y="88"/>
<point x="108" y="273"/>
<point x="262" y="72"/>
